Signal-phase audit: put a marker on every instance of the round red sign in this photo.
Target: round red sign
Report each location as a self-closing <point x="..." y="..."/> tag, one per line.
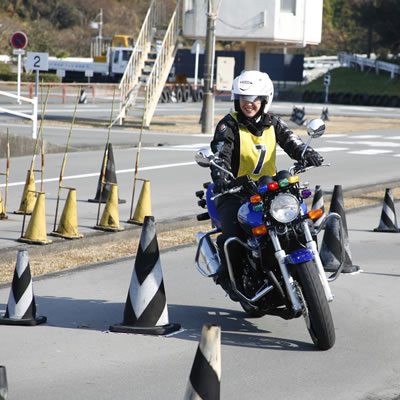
<point x="19" y="40"/>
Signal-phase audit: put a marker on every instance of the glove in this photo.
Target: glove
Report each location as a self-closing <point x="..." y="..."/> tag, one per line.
<point x="313" y="158"/>
<point x="220" y="185"/>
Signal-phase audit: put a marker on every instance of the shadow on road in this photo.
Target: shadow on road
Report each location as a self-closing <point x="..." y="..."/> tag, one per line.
<point x="94" y="314"/>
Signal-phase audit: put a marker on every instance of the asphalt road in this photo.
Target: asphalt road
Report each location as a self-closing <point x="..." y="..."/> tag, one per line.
<point x="363" y="160"/>
<point x="74" y="355"/>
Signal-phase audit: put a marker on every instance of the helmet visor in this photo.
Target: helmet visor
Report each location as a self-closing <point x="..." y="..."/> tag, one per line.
<point x="251" y="98"/>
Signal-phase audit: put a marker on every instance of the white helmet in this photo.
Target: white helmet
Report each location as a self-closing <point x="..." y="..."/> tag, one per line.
<point x="252" y="84"/>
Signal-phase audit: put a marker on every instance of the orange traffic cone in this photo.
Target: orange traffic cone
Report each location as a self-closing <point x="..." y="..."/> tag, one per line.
<point x="143" y="207"/>
<point x="110" y="218"/>
<point x="36" y="231"/>
<point x="68" y="226"/>
<point x="28" y="200"/>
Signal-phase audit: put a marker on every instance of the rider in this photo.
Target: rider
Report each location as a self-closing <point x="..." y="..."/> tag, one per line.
<point x="245" y="141"/>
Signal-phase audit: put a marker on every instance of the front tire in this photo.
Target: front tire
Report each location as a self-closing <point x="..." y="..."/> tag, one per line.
<point x="317" y="312"/>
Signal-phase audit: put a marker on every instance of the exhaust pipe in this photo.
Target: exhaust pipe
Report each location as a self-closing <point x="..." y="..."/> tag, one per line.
<point x="209" y="254"/>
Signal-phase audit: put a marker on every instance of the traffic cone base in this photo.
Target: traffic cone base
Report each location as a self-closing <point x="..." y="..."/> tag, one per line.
<point x="36" y="231"/>
<point x="68" y="226"/>
<point x="143" y="207"/>
<point x="388" y="222"/>
<point x="108" y="228"/>
<point x="24" y="322"/>
<point x="146" y="330"/>
<point x="28" y="200"/>
<point x="66" y="235"/>
<point x="110" y="218"/>
<point x="146" y="310"/>
<point x="21" y="307"/>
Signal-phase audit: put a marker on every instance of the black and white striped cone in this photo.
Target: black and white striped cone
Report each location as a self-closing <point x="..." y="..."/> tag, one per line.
<point x="21" y="307"/>
<point x="3" y="383"/>
<point x="205" y="375"/>
<point x="324" y="114"/>
<point x="82" y="97"/>
<point x="318" y="203"/>
<point x="146" y="309"/>
<point x="388" y="217"/>
<point x="331" y="249"/>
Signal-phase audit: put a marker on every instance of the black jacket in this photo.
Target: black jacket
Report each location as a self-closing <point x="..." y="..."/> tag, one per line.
<point x="226" y="141"/>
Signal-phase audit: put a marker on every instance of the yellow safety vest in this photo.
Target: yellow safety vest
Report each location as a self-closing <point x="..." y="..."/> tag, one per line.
<point x="257" y="153"/>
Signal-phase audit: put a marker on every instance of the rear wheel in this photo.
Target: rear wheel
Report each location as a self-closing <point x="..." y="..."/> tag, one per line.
<point x="317" y="313"/>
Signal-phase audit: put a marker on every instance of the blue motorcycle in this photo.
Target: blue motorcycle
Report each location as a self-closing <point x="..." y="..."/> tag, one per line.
<point x="281" y="273"/>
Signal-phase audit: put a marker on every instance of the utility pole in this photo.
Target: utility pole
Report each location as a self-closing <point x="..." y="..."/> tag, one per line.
<point x="207" y="112"/>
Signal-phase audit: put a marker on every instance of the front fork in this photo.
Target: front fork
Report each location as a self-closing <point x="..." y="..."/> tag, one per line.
<point x="280" y="255"/>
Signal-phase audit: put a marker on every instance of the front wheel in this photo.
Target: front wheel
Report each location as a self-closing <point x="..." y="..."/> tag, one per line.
<point x="316" y="312"/>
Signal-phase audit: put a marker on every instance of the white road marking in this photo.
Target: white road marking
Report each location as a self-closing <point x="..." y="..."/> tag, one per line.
<point x="370" y="152"/>
<point x="121" y="171"/>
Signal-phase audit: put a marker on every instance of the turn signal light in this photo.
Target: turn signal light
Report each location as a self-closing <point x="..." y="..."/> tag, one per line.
<point x="273" y="186"/>
<point x="314" y="214"/>
<point x="293" y="179"/>
<point x="283" y="182"/>
<point x="259" y="230"/>
<point x="255" y="199"/>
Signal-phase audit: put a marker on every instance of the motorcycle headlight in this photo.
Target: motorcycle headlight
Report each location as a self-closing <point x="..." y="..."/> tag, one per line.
<point x="285" y="208"/>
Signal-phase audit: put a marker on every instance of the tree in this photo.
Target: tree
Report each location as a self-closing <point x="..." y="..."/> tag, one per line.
<point x="381" y="19"/>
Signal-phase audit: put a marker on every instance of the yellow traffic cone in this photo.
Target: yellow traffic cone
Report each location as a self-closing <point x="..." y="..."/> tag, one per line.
<point x="68" y="225"/>
<point x="143" y="207"/>
<point x="28" y="197"/>
<point x="2" y="209"/>
<point x="110" y="218"/>
<point x="36" y="231"/>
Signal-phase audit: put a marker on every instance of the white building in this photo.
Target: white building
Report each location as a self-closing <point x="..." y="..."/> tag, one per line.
<point x="259" y="23"/>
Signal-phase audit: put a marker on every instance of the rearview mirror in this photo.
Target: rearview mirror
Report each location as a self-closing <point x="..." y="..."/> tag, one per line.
<point x="316" y="128"/>
<point x="203" y="157"/>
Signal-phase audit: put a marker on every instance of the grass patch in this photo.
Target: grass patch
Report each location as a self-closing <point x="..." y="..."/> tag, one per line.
<point x="352" y="80"/>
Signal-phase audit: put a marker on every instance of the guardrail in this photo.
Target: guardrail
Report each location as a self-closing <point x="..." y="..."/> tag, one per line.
<point x="32" y="117"/>
<point x="328" y="62"/>
<point x="349" y="60"/>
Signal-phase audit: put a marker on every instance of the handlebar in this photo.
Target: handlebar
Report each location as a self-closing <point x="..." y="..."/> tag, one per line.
<point x="300" y="167"/>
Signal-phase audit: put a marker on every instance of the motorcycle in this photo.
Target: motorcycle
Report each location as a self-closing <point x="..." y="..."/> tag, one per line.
<point x="281" y="272"/>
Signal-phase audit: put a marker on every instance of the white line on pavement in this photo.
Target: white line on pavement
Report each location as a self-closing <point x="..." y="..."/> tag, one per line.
<point x="121" y="171"/>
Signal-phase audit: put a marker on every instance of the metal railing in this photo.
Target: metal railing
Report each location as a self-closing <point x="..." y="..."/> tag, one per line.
<point x="349" y="60"/>
<point x="139" y="55"/>
<point x="162" y="65"/>
<point x="32" y="117"/>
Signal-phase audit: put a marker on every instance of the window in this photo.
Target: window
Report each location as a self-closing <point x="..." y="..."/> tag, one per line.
<point x="289" y="6"/>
